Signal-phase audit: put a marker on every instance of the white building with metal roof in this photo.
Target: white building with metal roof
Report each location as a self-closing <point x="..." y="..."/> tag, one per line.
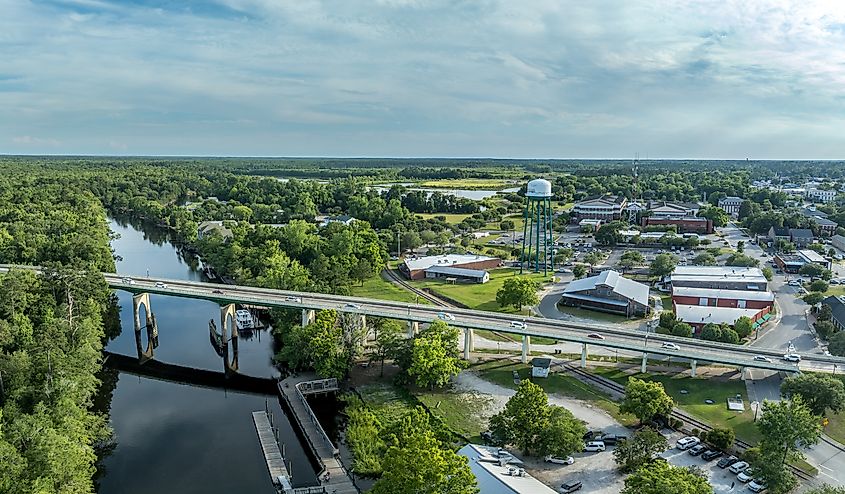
<point x="608" y="292"/>
<point x="415" y="268"/>
<point x="500" y="474"/>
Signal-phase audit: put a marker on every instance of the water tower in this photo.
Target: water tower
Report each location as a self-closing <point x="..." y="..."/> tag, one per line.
<point x="537" y="241"/>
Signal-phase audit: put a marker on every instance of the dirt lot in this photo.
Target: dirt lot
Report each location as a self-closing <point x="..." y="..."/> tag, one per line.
<point x="597" y="471"/>
<point x="720" y="478"/>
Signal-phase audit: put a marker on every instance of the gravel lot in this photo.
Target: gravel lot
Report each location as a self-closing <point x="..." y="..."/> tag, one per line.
<point x="720" y="479"/>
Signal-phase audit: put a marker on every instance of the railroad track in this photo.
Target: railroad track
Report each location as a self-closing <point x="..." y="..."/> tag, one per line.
<point x="676" y="413"/>
<point x="396" y="278"/>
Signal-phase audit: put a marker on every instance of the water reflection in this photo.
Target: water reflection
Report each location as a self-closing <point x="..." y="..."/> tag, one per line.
<point x="172" y="437"/>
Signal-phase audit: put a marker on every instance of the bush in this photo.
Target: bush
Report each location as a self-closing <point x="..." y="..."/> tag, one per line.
<point x="819" y="286"/>
<point x="824" y="329"/>
<point x="813" y="298"/>
<point x="695" y="432"/>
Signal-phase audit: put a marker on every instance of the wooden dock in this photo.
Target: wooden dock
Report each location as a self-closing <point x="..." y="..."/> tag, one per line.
<point x="272" y="454"/>
<point x="333" y="477"/>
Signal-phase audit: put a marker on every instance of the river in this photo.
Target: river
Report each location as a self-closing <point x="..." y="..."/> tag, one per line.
<point x="172" y="437"/>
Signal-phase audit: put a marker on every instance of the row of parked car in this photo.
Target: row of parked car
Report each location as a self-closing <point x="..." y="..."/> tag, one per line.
<point x="744" y="472"/>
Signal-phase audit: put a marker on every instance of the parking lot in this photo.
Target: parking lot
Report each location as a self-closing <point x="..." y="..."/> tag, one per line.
<point x="597" y="472"/>
<point x="719" y="478"/>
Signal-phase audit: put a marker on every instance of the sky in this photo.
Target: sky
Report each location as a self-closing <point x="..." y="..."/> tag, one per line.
<point x="720" y="79"/>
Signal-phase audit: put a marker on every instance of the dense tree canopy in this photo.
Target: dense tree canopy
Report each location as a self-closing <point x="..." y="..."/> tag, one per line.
<point x="645" y="399"/>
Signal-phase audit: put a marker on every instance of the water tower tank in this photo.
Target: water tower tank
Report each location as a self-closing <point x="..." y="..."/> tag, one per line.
<point x="539" y="188"/>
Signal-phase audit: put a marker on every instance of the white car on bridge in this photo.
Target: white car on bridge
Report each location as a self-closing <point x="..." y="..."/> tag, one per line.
<point x="670" y="346"/>
<point x="161" y="284"/>
<point x="519" y="325"/>
<point x="445" y="316"/>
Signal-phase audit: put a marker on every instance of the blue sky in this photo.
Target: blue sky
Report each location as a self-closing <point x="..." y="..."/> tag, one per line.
<point x="554" y="79"/>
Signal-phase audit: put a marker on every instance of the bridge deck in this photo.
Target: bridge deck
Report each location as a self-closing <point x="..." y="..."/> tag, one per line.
<point x="269" y="446"/>
<point x="339" y="480"/>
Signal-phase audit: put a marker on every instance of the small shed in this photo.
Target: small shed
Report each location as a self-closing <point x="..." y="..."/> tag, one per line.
<point x="540" y="366"/>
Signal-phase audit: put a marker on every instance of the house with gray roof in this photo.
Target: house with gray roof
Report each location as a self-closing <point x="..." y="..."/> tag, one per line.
<point x="801" y="237"/>
<point x="608" y="291"/>
<point x="837" y="307"/>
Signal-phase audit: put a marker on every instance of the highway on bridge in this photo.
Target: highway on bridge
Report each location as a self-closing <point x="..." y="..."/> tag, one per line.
<point x="649" y="343"/>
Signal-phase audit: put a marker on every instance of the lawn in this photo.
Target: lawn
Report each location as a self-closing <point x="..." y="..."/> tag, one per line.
<point x="698" y="390"/>
<point x="390" y="402"/>
<point x="452" y="219"/>
<point x="481" y="296"/>
<point x="379" y="288"/>
<point x="835" y="290"/>
<point x="518" y="223"/>
<point x="468" y="183"/>
<point x="501" y="373"/>
<point x="456" y="410"/>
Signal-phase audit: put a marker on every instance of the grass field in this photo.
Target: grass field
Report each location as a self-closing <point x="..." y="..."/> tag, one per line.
<point x="699" y="390"/>
<point x="379" y="288"/>
<point x="452" y="219"/>
<point x="468" y="183"/>
<point x="481" y="296"/>
<point x="457" y="410"/>
<point x="501" y="373"/>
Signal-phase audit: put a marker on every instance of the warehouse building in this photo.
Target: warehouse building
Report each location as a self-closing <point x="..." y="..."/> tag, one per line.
<point x="719" y="277"/>
<point x="608" y="292"/>
<point x="416" y="268"/>
<point x="499" y="472"/>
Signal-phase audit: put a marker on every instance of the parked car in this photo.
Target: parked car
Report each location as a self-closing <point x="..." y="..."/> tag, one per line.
<point x="572" y="486"/>
<point x="697" y="449"/>
<point x="613" y="438"/>
<point x="560" y="461"/>
<point x="687" y="442"/>
<point x="711" y="454"/>
<point x="746" y="475"/>
<point x="792" y="357"/>
<point x="160" y="284"/>
<point x="794" y="283"/>
<point x="757" y="485"/>
<point x="445" y="316"/>
<point x="739" y="466"/>
<point x="515" y="324"/>
<point x="592" y="434"/>
<point x="595" y="336"/>
<point x="762" y="358"/>
<point x="594" y="446"/>
<point x="670" y="346"/>
<point x="726" y="462"/>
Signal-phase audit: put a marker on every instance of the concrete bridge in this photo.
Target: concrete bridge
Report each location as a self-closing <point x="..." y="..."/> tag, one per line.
<point x="469" y="320"/>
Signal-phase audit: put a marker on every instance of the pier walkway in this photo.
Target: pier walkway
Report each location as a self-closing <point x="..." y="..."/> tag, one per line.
<point x="333" y="477"/>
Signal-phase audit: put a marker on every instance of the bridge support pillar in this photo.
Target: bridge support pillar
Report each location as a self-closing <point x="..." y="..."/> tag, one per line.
<point x="693" y="362"/>
<point x="308" y="316"/>
<point x="584" y="356"/>
<point x="645" y="362"/>
<point x="137" y="301"/>
<point x="365" y="331"/>
<point x="468" y="346"/>
<point x="413" y="328"/>
<point x="229" y="337"/>
<point x="526" y="348"/>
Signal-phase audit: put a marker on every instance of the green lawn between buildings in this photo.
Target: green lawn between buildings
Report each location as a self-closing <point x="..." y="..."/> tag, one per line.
<point x="501" y="373"/>
<point x="381" y="289"/>
<point x="698" y="390"/>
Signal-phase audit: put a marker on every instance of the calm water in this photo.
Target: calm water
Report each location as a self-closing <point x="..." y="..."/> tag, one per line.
<point x="174" y="437"/>
<point x="475" y="195"/>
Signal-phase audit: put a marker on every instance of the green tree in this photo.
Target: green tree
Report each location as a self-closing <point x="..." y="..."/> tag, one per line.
<point x="410" y="240"/>
<point x="813" y="298"/>
<point x="668" y="319"/>
<point x="631" y="259"/>
<point x="816" y="271"/>
<point x="768" y="273"/>
<point x="663" y="265"/>
<point x="741" y="260"/>
<point x="639" y="450"/>
<point x="594" y="258"/>
<point x="786" y="427"/>
<point x="389" y="342"/>
<point x="563" y="434"/>
<point x="242" y="213"/>
<point x="716" y="332"/>
<point x="718" y="215"/>
<point x="579" y="271"/>
<point x="743" y="326"/>
<point x="826" y="489"/>
<point x="563" y="255"/>
<point x="442" y="471"/>
<point x="506" y="225"/>
<point x="662" y="478"/>
<point x="820" y="393"/>
<point x="836" y="345"/>
<point x="704" y="259"/>
<point x="518" y="292"/>
<point x="434" y="355"/>
<point x="681" y="329"/>
<point x="645" y="399"/>
<point x="825" y="329"/>
<point x="608" y="234"/>
<point x="524" y="419"/>
<point x="819" y="286"/>
<point x="722" y="438"/>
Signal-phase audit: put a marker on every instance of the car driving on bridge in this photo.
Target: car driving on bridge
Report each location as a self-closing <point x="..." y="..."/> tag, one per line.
<point x="161" y="284"/>
<point x="668" y="345"/>
<point x="127" y="280"/>
<point x="519" y="325"/>
<point x="445" y="316"/>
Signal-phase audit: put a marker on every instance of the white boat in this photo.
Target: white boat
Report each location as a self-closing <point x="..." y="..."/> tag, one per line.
<point x="244" y="319"/>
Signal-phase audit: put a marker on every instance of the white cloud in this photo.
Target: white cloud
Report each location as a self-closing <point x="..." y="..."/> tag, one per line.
<point x="542" y="78"/>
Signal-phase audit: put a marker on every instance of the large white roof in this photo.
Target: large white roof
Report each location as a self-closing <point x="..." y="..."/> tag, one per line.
<point x="623" y="286"/>
<point x="717" y="271"/>
<point x="703" y="314"/>
<point x="444" y="260"/>
<point x="685" y="291"/>
<point x="494" y="478"/>
<point x="812" y="256"/>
